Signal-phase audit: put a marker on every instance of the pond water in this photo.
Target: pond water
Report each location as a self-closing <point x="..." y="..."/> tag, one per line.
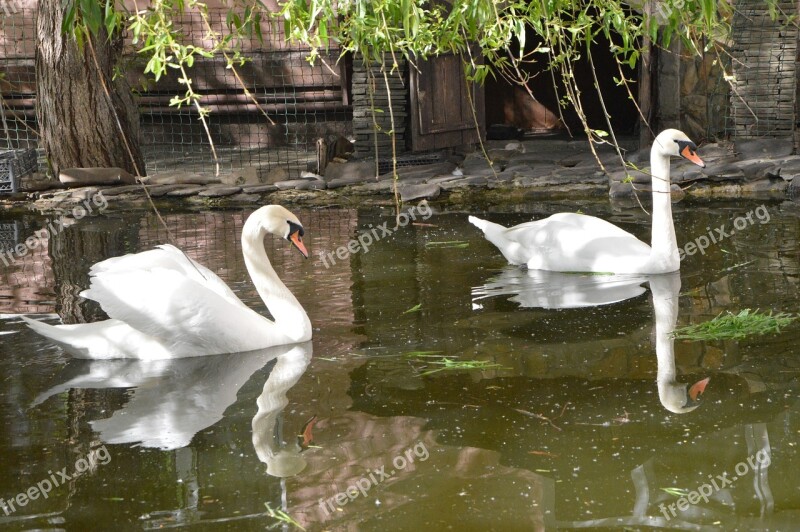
<point x="580" y="417"/>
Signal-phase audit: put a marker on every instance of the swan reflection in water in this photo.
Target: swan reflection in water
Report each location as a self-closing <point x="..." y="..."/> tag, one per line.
<point x="556" y="290"/>
<point x="172" y="400"/>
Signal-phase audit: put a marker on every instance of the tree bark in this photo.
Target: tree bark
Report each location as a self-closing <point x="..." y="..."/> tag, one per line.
<point x="646" y="85"/>
<point x="78" y="125"/>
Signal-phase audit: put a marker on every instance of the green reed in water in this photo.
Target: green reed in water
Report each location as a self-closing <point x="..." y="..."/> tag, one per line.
<point x="282" y="517"/>
<point x="449" y="364"/>
<point x="730" y="326"/>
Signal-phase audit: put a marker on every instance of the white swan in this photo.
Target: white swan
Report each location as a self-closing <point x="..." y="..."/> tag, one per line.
<point x="164" y="305"/>
<point x="570" y="242"/>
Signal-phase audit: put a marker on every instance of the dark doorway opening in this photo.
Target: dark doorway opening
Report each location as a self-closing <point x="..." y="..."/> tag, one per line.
<point x="511" y="105"/>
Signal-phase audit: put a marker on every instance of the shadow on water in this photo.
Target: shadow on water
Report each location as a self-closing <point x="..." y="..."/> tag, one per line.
<point x="593" y="415"/>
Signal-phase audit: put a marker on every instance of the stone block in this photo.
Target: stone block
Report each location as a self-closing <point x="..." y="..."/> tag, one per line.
<point x="81" y="177"/>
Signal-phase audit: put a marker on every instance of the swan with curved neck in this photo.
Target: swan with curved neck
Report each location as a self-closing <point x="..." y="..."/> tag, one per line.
<point x="571" y="242"/>
<point x="162" y="304"/>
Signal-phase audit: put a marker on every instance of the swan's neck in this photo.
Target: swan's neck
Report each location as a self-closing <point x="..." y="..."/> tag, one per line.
<point x="287" y="371"/>
<point x="284" y="307"/>
<point x="665" y="289"/>
<point x="663" y="244"/>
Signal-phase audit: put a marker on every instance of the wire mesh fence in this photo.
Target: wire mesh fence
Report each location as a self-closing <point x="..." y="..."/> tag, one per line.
<point x="295" y="104"/>
<point x="17" y="79"/>
<point x="292" y="103"/>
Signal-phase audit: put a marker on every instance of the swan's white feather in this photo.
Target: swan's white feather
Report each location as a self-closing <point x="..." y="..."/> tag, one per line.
<point x="196" y="316"/>
<point x="107" y="339"/>
<point x="168" y="257"/>
<point x="575" y="242"/>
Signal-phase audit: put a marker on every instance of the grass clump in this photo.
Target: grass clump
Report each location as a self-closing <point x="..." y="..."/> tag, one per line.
<point x="730" y="326"/>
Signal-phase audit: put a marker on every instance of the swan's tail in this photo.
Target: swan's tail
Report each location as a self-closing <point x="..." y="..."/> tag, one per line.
<point x="498" y="235"/>
<point x="485" y="225"/>
<point x="70" y="337"/>
<point x="46" y="330"/>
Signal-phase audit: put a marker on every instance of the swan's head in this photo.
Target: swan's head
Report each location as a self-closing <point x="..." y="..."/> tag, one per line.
<point x="676" y="143"/>
<point x="285" y="463"/>
<point x="682" y="398"/>
<point x="280" y="222"/>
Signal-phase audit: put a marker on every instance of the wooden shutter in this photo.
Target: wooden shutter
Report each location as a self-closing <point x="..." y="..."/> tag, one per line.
<point x="441" y="113"/>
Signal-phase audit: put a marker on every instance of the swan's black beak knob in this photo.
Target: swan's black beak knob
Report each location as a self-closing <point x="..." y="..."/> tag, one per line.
<point x="295" y="236"/>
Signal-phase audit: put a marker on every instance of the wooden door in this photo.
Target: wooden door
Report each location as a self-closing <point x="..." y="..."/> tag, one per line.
<point x="441" y="113"/>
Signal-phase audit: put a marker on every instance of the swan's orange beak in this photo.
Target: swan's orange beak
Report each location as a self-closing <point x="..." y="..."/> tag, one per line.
<point x="297" y="240"/>
<point x="698" y="388"/>
<point x="690" y="155"/>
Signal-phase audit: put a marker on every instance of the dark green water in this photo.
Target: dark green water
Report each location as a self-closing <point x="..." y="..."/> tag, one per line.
<point x="567" y="429"/>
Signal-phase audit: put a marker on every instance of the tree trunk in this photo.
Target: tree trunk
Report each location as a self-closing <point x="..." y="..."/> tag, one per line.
<point x="646" y="85"/>
<point x="77" y="126"/>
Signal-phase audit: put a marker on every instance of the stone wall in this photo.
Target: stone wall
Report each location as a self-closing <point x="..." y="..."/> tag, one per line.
<point x="692" y="93"/>
<point x="704" y="97"/>
<point x="764" y="56"/>
<point x="759" y="99"/>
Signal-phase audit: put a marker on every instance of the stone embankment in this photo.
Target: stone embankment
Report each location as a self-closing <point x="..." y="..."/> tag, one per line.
<point x="532" y="169"/>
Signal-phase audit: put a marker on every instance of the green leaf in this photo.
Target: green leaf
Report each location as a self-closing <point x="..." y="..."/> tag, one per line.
<point x="78" y="32"/>
<point x="110" y="19"/>
<point x="69" y="19"/>
<point x="91" y="15"/>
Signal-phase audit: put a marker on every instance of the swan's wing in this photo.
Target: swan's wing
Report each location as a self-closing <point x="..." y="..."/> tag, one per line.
<point x="167" y="257"/>
<point x="181" y="310"/>
<point x="568" y="223"/>
<point x="573" y="242"/>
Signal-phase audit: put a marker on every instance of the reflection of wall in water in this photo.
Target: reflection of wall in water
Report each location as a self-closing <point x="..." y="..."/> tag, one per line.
<point x="75" y="250"/>
<point x="26" y="284"/>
